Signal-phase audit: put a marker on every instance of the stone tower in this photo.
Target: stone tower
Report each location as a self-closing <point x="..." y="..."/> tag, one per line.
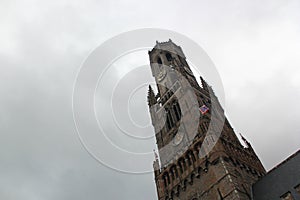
<point x="200" y="156"/>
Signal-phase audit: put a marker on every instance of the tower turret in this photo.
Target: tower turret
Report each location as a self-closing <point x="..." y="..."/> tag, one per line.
<point x="204" y="84"/>
<point x="151" y="97"/>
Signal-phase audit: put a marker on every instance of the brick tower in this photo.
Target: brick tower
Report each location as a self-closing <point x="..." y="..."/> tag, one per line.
<point x="196" y="161"/>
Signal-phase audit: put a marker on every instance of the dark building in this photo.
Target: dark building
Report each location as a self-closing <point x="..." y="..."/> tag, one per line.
<point x="200" y="156"/>
<point x="282" y="182"/>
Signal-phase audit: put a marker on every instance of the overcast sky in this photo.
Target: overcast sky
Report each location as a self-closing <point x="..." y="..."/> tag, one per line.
<point x="255" y="46"/>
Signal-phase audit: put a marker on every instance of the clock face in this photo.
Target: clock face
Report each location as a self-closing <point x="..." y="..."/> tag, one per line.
<point x="178" y="138"/>
<point x="162" y="74"/>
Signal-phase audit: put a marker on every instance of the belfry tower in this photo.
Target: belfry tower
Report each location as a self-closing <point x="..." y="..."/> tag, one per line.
<point x="196" y="159"/>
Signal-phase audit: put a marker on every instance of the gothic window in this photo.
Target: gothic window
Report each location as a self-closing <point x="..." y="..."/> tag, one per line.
<point x="205" y="125"/>
<point x="199" y="170"/>
<point x="174" y="172"/>
<point x="171" y="118"/>
<point x="188" y="160"/>
<point x="192" y="156"/>
<point x="202" y="130"/>
<point x="159" y="61"/>
<point x="181" y="165"/>
<point x="177" y="111"/>
<point x="179" y="108"/>
<point x="169" y="57"/>
<point x="197" y="149"/>
<point x="166" y="179"/>
<point x="169" y="126"/>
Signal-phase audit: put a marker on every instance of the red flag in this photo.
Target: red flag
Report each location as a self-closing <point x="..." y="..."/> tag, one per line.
<point x="204" y="109"/>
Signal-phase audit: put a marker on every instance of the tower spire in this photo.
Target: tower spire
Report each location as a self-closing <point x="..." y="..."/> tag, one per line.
<point x="155" y="154"/>
<point x="204" y="84"/>
<point x="151" y="97"/>
<point x="245" y="141"/>
<point x="177" y="160"/>
<point x="156" y="163"/>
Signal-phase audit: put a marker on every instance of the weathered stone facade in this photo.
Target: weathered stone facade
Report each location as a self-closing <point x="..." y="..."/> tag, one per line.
<point x="228" y="170"/>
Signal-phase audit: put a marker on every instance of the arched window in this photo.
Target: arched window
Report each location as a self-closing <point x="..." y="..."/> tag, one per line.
<point x="168" y="56"/>
<point x="197" y="149"/>
<point x="169" y="126"/>
<point x="177" y="111"/>
<point x="189" y="162"/>
<point x="170" y="118"/>
<point x="181" y="165"/>
<point x="166" y="179"/>
<point x="191" y="157"/>
<point x="159" y="61"/>
<point x="174" y="172"/>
